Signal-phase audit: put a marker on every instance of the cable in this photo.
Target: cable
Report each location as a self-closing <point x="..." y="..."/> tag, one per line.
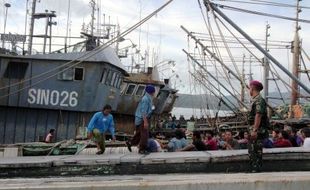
<point x="261" y="13"/>
<point x="264" y="3"/>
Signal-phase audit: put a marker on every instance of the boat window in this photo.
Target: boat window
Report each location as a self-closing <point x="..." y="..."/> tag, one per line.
<point x="116" y="80"/>
<point x="109" y="77"/>
<point x="79" y="73"/>
<point x="103" y="75"/>
<point x="130" y="89"/>
<point x="16" y="70"/>
<point x="140" y="90"/>
<point x="119" y="83"/>
<point x="65" y="74"/>
<point x="123" y="88"/>
<point x="113" y="78"/>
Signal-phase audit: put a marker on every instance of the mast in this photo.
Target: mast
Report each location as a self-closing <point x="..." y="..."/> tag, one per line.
<point x="25" y="30"/>
<point x="67" y="28"/>
<point x="266" y="65"/>
<point x="33" y="10"/>
<point x="93" y="6"/>
<point x="295" y="66"/>
<point x="243" y="79"/>
<point x="46" y="30"/>
<point x="250" y="69"/>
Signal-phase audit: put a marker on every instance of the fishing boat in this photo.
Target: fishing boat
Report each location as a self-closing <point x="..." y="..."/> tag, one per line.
<point x="62" y="89"/>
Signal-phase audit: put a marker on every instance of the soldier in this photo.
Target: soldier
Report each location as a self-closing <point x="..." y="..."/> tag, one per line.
<point x="258" y="121"/>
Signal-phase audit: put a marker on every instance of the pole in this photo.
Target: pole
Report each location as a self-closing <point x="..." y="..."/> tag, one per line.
<point x="46" y="29"/>
<point x="92" y="4"/>
<point x="25" y="30"/>
<point x="7" y="5"/>
<point x="250" y="69"/>
<point x="243" y="78"/>
<point x="33" y="10"/>
<point x="266" y="66"/>
<point x="67" y="29"/>
<point x="295" y="66"/>
<point x="279" y="65"/>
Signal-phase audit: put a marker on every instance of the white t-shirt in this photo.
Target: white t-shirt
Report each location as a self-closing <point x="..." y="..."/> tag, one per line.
<point x="307" y="142"/>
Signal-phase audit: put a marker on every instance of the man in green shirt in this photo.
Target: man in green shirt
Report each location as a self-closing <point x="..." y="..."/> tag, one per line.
<point x="258" y="122"/>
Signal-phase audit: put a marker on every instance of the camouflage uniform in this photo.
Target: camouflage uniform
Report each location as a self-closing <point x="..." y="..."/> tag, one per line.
<point x="255" y="147"/>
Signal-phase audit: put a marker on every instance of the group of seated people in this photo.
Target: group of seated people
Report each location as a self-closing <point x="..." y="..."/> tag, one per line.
<point x="201" y="141"/>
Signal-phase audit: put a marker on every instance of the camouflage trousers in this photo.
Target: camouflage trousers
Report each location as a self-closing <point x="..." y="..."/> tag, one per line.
<point x="255" y="149"/>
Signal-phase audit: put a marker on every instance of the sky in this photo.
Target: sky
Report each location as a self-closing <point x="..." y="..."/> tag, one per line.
<point x="162" y="36"/>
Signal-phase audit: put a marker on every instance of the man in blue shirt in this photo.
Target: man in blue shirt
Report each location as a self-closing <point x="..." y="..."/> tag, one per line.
<point x="100" y="123"/>
<point x="142" y="118"/>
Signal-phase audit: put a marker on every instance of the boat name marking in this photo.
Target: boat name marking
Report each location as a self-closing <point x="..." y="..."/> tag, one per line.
<point x="52" y="97"/>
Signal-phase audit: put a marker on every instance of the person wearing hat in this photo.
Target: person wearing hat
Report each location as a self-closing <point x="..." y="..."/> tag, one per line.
<point x="258" y="123"/>
<point x="142" y="118"/>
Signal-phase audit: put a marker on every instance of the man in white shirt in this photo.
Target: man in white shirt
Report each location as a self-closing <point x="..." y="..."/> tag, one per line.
<point x="305" y="132"/>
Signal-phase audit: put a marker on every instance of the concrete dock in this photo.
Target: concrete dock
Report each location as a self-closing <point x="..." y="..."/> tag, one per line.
<point x="280" y="159"/>
<point x="239" y="181"/>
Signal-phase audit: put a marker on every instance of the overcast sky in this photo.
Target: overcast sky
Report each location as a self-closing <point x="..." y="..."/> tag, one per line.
<point x="162" y="34"/>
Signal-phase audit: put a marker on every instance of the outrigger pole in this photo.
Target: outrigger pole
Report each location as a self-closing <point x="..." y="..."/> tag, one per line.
<point x="204" y="48"/>
<point x="242" y="103"/>
<point x="245" y="35"/>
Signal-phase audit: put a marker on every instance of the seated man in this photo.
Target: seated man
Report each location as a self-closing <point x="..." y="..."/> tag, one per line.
<point x="292" y="137"/>
<point x="283" y="140"/>
<point x="152" y="144"/>
<point x="275" y="135"/>
<point x="100" y="123"/>
<point x="230" y="142"/>
<point x="178" y="142"/>
<point x="244" y="139"/>
<point x="305" y="132"/>
<point x="197" y="145"/>
<point x="210" y="141"/>
<point x="50" y="136"/>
